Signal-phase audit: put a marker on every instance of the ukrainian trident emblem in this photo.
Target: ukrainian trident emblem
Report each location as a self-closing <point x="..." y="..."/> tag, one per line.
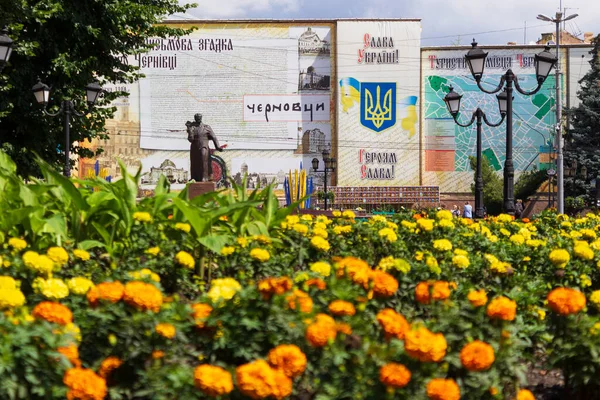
<point x="378" y="105"/>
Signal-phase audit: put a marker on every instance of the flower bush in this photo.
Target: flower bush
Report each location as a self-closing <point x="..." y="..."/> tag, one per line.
<point x="229" y="296"/>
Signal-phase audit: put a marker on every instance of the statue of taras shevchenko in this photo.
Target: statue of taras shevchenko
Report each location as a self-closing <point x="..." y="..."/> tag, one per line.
<point x="199" y="135"/>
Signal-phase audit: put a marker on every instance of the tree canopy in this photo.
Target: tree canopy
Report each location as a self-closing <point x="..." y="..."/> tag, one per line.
<point x="68" y="44"/>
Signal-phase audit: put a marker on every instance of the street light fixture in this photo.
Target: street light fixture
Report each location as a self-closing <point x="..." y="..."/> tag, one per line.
<point x="6" y="45"/>
<point x="330" y="166"/>
<point x="543" y="64"/>
<point x="452" y="100"/>
<point x="41" y="92"/>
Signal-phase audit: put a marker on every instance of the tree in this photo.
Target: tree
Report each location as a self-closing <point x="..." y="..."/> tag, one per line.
<point x="492" y="186"/>
<point x="582" y="141"/>
<point x="68" y="44"/>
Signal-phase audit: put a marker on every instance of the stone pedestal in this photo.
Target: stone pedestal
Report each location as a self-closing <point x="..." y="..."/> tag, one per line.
<point x="199" y="188"/>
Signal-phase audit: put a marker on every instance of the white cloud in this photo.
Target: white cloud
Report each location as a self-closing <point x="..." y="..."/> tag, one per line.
<point x="241" y="8"/>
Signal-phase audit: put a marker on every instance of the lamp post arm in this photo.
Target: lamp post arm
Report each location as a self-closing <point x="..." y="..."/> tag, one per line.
<point x="488" y="123"/>
<point x="468" y="124"/>
<point x="73" y="110"/>
<point x="498" y="88"/>
<point x="524" y="92"/>
<point x="60" y="111"/>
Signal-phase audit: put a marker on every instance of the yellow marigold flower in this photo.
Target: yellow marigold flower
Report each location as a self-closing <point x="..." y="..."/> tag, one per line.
<point x="504" y="218"/>
<point x="306" y="217"/>
<point x="341" y="307"/>
<point x="583" y="251"/>
<point x="339" y="230"/>
<point x="224" y="218"/>
<point x="53" y="312"/>
<point x="517" y="239"/>
<point x="108" y="365"/>
<point x="433" y="265"/>
<point x="442" y="245"/>
<point x="224" y="288"/>
<point x="525" y="394"/>
<point x="288" y="358"/>
<point x="408" y="225"/>
<point x="565" y="301"/>
<point x="17" y="244"/>
<point x="53" y="289"/>
<point x="212" y="380"/>
<point x="300" y="228"/>
<point x="348" y="214"/>
<point x="585" y="281"/>
<point x="182" y="226"/>
<point x="40" y="263"/>
<point x="292" y="219"/>
<point x="227" y="250"/>
<point x="321" y="267"/>
<point x="200" y="313"/>
<point x="393" y="324"/>
<point x="58" y="255"/>
<point x="320" y="232"/>
<point x="165" y="330"/>
<point x="460" y="261"/>
<point x="386" y="263"/>
<point x="559" y="257"/>
<point x="425" y="224"/>
<point x="81" y="254"/>
<point x="242" y="241"/>
<point x="322" y="331"/>
<point x="142" y="216"/>
<point x="73" y="330"/>
<point x="11" y="297"/>
<point x="384" y="284"/>
<point x="424" y="345"/>
<point x="84" y="384"/>
<point x="388" y="234"/>
<point x="378" y="218"/>
<point x="153" y="251"/>
<point x="477" y="298"/>
<point x="261" y="255"/>
<point x="263" y="239"/>
<point x="301" y="300"/>
<point x="79" y="285"/>
<point x="143" y="296"/>
<point x="320" y="225"/>
<point x="502" y="308"/>
<point x="319" y="243"/>
<point x="477" y="356"/>
<point x="256" y="379"/>
<point x="444" y="214"/>
<point x="446" y="224"/>
<point x="575" y="234"/>
<point x="595" y="299"/>
<point x="443" y="389"/>
<point x="7" y="283"/>
<point x="145" y="273"/>
<point x="595" y="330"/>
<point x="109" y="291"/>
<point x="535" y="243"/>
<point x="526" y="259"/>
<point x="394" y="375"/>
<point x="566" y="224"/>
<point x="541" y="314"/>
<point x="337" y="213"/>
<point x="185" y="259"/>
<point x="419" y="255"/>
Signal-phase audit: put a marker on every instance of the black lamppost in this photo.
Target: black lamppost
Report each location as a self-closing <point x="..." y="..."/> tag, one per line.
<point x="544" y="62"/>
<point x="6" y="44"/>
<point x="452" y="100"/>
<point x="330" y="165"/>
<point x="42" y="95"/>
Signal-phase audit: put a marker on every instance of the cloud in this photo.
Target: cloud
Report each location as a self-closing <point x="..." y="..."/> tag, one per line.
<point x="242" y="8"/>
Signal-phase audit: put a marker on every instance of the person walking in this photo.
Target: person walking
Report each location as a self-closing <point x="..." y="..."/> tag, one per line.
<point x="467" y="210"/>
<point x="519" y="208"/>
<point x="455" y="211"/>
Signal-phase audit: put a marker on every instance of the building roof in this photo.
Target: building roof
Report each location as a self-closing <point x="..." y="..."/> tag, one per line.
<point x="189" y="18"/>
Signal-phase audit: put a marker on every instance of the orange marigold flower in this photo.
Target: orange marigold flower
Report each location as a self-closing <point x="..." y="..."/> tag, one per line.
<point x="502" y="308"/>
<point x="201" y="313"/>
<point x="283" y="385"/>
<point x="212" y="380"/>
<point x="525" y="394"/>
<point x="393" y="324"/>
<point x="318" y="283"/>
<point x="143" y="296"/>
<point x="256" y="379"/>
<point x="443" y="389"/>
<point x="157" y="354"/>
<point x="108" y="365"/>
<point x="341" y="307"/>
<point x="109" y="291"/>
<point x="300" y="299"/>
<point x="84" y="384"/>
<point x="417" y="216"/>
<point x="71" y="352"/>
<point x="565" y="301"/>
<point x="394" y="375"/>
<point x="53" y="312"/>
<point x="425" y="345"/>
<point x="343" y="328"/>
<point x="270" y="286"/>
<point x="358" y="270"/>
<point x="289" y="358"/>
<point x="478" y="298"/>
<point x="477" y="356"/>
<point x="384" y="284"/>
<point x="321" y="331"/>
<point x="438" y="290"/>
<point x="165" y="330"/>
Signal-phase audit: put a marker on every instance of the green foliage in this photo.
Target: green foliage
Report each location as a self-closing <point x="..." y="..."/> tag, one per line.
<point x="492" y="186"/>
<point x="68" y="44"/>
<point x="529" y="182"/>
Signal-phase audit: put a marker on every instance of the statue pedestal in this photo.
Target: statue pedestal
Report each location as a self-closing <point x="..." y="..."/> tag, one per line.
<point x="199" y="188"/>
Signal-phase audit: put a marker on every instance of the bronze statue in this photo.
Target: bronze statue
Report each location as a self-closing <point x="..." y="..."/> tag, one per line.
<point x="199" y="135"/>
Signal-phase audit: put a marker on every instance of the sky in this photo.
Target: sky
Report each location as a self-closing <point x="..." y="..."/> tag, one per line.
<point x="444" y="22"/>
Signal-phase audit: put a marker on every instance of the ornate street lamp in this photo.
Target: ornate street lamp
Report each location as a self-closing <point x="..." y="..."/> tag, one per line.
<point x="452" y="100"/>
<point x="41" y="92"/>
<point x="544" y="62"/>
<point x="330" y="166"/>
<point x="6" y="44"/>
